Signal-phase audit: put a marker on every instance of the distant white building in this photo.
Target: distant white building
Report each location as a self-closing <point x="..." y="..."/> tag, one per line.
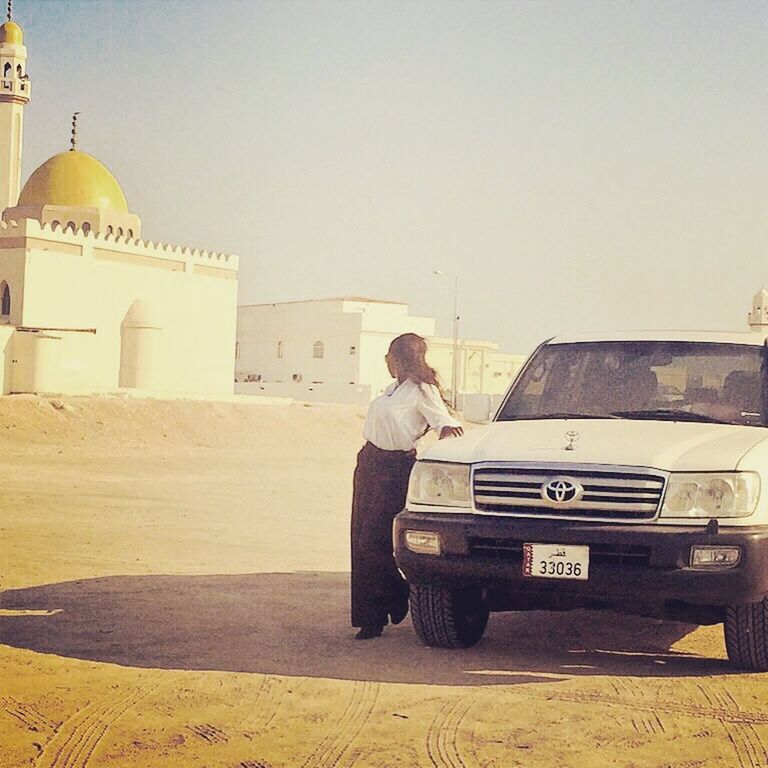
<point x="332" y="350"/>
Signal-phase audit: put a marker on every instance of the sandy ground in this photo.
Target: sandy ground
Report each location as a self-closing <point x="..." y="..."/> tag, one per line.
<point x="174" y="593"/>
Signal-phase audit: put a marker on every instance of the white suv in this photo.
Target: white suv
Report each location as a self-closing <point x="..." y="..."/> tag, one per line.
<point x="621" y="471"/>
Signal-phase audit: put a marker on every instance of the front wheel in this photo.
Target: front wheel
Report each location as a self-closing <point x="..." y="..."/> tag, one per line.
<point x="746" y="635"/>
<point x="444" y="617"/>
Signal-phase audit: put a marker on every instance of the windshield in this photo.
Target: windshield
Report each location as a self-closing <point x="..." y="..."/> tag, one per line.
<point x="691" y="381"/>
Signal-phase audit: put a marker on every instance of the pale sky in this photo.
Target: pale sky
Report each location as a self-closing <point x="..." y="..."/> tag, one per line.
<point x="580" y="165"/>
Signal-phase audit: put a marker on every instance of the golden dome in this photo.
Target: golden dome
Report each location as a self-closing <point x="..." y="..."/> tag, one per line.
<point x="74" y="179"/>
<point x="10" y="32"/>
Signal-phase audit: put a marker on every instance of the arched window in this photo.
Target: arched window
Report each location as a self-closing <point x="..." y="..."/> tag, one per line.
<point x="18" y="70"/>
<point x="130" y="234"/>
<point x="86" y="227"/>
<point x="55" y="225"/>
<point x="110" y="231"/>
<point x="119" y="231"/>
<point x="279" y="348"/>
<point x="318" y="350"/>
<point x="70" y="226"/>
<point x="7" y="70"/>
<point x="5" y="300"/>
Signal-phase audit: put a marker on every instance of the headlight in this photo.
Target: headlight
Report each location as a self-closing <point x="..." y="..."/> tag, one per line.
<point x="731" y="494"/>
<point x="439" y="484"/>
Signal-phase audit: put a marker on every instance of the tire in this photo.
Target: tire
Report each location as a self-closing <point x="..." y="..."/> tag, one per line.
<point x="746" y="635"/>
<point x="448" y="618"/>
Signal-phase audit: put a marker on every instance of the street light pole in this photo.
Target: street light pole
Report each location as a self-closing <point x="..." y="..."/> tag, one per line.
<point x="455" y="371"/>
<point x="455" y="348"/>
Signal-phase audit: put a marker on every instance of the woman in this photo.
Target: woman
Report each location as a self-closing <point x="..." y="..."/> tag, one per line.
<point x="407" y="410"/>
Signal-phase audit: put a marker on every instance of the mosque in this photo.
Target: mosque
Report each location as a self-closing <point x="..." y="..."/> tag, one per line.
<point x="86" y="305"/>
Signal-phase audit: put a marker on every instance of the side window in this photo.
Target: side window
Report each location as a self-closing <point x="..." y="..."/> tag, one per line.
<point x="280" y="349"/>
<point x="526" y="398"/>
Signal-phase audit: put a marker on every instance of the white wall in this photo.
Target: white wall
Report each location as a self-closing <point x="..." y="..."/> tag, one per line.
<point x="343" y="325"/>
<point x="313" y="393"/>
<point x="73" y="282"/>
<point x="297" y="326"/>
<point x="53" y="362"/>
<point x="12" y="263"/>
<point x="6" y="350"/>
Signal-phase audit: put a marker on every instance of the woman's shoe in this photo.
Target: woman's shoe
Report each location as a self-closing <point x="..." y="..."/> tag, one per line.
<point x="399" y="612"/>
<point x="367" y="633"/>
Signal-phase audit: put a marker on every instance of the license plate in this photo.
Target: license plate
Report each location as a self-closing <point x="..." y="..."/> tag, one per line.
<point x="556" y="561"/>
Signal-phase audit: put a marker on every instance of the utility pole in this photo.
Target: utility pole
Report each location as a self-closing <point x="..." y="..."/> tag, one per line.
<point x="455" y="347"/>
<point x="455" y="370"/>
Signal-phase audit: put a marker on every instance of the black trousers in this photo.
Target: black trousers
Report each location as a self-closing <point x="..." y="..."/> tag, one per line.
<point x="380" y="487"/>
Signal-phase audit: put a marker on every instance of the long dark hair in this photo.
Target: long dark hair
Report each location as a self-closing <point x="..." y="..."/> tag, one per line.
<point x="408" y="352"/>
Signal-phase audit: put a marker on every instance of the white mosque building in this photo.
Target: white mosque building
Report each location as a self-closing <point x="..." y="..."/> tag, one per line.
<point x="86" y="305"/>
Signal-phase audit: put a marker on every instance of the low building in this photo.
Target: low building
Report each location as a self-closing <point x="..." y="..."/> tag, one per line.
<point x="481" y="369"/>
<point x="328" y="350"/>
<point x="332" y="350"/>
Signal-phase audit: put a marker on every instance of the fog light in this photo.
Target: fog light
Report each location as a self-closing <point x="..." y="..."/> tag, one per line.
<point x="424" y="542"/>
<point x="715" y="557"/>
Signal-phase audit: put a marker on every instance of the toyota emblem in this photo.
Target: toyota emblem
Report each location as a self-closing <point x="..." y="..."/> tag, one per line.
<point x="561" y="490"/>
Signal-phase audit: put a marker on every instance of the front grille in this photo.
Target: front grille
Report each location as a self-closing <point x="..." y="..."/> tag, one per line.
<point x="608" y="494"/>
<point x="511" y="551"/>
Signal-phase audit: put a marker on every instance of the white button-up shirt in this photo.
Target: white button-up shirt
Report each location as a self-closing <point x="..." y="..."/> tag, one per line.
<point x="399" y="417"/>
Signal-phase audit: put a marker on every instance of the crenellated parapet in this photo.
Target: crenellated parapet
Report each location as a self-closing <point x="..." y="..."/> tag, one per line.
<point x="30" y="233"/>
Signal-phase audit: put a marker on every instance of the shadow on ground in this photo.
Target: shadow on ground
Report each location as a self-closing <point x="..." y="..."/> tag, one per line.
<point x="297" y="624"/>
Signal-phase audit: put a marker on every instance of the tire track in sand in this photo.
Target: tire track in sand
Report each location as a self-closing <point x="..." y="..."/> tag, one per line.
<point x="744" y="738"/>
<point x="30" y="716"/>
<point x="74" y="743"/>
<point x="443" y="734"/>
<point x="289" y="687"/>
<point x="268" y="699"/>
<point x="645" y="721"/>
<point x="713" y="712"/>
<point x="266" y="704"/>
<point x="330" y="751"/>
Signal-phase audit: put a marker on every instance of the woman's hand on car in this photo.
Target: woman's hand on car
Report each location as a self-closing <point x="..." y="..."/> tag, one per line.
<point x="451" y="432"/>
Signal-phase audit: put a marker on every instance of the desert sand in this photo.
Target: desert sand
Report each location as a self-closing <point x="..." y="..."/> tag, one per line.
<point x="173" y="592"/>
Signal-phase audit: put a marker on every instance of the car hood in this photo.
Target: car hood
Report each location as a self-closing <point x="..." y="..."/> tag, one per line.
<point x="665" y="445"/>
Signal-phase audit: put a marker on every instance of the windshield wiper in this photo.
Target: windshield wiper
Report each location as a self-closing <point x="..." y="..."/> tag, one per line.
<point x="565" y="415"/>
<point x="669" y="414"/>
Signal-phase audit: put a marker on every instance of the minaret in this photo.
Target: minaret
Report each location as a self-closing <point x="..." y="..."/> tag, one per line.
<point x="14" y="94"/>
<point x="758" y="317"/>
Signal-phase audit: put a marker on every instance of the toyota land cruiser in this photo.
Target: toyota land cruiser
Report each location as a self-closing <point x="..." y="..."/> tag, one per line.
<point x="626" y="472"/>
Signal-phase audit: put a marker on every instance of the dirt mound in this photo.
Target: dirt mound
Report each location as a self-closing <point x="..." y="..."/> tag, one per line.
<point x="122" y="423"/>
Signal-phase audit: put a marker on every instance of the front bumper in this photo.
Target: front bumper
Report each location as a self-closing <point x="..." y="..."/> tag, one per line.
<point x="635" y="568"/>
